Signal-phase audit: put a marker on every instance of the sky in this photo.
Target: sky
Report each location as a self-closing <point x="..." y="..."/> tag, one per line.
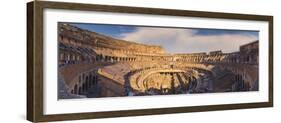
<point x="177" y="40"/>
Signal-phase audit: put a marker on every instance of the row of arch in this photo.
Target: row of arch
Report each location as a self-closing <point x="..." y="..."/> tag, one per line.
<point x="245" y="77"/>
<point x="72" y="41"/>
<point x="240" y="84"/>
<point x="85" y="82"/>
<point x="69" y="57"/>
<point x="200" y="59"/>
<point x="106" y="58"/>
<point x="71" y="54"/>
<point x="219" y="58"/>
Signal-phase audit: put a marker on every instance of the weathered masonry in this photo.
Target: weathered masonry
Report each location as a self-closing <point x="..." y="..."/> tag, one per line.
<point x="95" y="65"/>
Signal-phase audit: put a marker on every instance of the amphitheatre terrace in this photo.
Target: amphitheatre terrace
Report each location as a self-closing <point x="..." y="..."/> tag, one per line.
<point x="95" y="65"/>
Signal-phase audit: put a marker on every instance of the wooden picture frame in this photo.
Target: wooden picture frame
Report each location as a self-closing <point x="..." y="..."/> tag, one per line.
<point x="35" y="62"/>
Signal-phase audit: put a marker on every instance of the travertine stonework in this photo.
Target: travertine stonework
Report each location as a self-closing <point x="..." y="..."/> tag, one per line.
<point x="95" y="65"/>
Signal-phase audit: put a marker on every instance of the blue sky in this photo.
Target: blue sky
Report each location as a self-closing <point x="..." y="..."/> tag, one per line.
<point x="177" y="40"/>
<point x="107" y="29"/>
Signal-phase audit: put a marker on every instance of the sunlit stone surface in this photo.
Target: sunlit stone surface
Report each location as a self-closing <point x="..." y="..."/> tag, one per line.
<point x="94" y="65"/>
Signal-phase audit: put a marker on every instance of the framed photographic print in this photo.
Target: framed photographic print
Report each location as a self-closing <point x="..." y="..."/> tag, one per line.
<point x="96" y="61"/>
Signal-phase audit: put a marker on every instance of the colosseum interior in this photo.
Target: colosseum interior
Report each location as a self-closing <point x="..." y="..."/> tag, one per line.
<point x="93" y="65"/>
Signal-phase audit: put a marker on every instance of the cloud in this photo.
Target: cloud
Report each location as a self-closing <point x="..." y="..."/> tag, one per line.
<point x="187" y="41"/>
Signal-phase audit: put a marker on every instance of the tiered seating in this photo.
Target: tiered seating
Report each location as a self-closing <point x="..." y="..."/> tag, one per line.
<point x="116" y="72"/>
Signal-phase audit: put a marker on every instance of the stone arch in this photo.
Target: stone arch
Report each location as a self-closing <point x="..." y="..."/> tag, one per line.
<point x="93" y="80"/>
<point x="87" y="78"/>
<point x="106" y="58"/>
<point x="80" y="90"/>
<point x="75" y="89"/>
<point x="86" y="86"/>
<point x="83" y="87"/>
<point x="96" y="80"/>
<point x="90" y="81"/>
<point x="101" y="57"/>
